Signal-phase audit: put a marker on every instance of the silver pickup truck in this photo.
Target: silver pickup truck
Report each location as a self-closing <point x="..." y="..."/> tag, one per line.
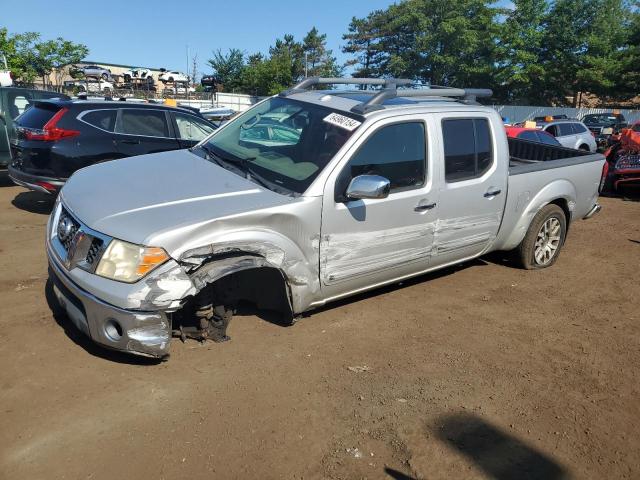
<point x="310" y="196"/>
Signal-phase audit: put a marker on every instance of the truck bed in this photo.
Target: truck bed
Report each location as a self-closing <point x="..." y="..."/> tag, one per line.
<point x="526" y="156"/>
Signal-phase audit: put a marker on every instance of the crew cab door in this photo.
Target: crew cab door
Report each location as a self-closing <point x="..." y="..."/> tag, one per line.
<point x="370" y="241"/>
<point x="143" y="130"/>
<point x="473" y="185"/>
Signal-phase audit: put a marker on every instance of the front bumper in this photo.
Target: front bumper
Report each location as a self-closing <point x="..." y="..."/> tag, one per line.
<point x="35" y="182"/>
<point x="137" y="332"/>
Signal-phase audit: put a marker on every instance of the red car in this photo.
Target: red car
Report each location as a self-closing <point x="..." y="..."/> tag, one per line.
<point x="623" y="159"/>
<point x="532" y="134"/>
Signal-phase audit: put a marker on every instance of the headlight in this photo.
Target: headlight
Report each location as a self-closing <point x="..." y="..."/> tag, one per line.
<point x="127" y="262"/>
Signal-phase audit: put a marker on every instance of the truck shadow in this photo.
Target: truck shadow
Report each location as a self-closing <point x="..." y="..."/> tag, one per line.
<point x="80" y="339"/>
<point x="498" y="454"/>
<point x="34" y="202"/>
<point x="5" y="181"/>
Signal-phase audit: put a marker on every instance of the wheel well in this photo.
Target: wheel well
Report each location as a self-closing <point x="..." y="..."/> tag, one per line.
<point x="584" y="146"/>
<point x="264" y="288"/>
<point x="564" y="205"/>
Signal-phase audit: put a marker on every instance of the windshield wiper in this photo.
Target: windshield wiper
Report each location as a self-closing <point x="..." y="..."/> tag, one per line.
<point x="210" y="154"/>
<point x="242" y="163"/>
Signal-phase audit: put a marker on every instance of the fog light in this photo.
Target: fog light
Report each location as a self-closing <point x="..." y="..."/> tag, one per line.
<point x="113" y="330"/>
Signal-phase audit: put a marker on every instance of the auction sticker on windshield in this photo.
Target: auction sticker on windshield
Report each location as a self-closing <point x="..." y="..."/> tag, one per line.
<point x="342" y="121"/>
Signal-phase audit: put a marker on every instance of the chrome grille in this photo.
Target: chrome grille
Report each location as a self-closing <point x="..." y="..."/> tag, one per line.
<point x="95" y="251"/>
<point x="76" y="244"/>
<point x="67" y="229"/>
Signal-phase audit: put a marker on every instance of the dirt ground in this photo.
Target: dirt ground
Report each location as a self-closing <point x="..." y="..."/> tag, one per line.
<point x="480" y="371"/>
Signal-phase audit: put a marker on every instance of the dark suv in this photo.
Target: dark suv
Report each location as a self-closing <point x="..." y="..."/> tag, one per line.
<point x="603" y="125"/>
<point x="55" y="138"/>
<point x="13" y="102"/>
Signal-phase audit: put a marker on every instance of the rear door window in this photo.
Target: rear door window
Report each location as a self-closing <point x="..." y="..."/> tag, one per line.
<point x="547" y="139"/>
<point x="147" y="123"/>
<point x="37" y="116"/>
<point x="468" y="151"/>
<point x="552" y="130"/>
<point x="531" y="136"/>
<point x="579" y="128"/>
<point x="102" y="119"/>
<point x="565" y="129"/>
<point x="192" y="128"/>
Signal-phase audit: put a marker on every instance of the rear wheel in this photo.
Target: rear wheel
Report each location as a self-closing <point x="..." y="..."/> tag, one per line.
<point x="584" y="147"/>
<point x="541" y="245"/>
<point x="105" y="76"/>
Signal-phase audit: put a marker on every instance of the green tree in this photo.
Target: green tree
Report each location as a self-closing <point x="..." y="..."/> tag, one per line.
<point x="435" y="41"/>
<point x="287" y="54"/>
<point x="364" y="41"/>
<point x="228" y="68"/>
<point x="582" y="40"/>
<point x="519" y="49"/>
<point x="629" y="55"/>
<point x="28" y="57"/>
<point x="319" y="61"/>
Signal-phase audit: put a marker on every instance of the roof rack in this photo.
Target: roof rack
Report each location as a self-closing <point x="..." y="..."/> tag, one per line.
<point x="390" y="90"/>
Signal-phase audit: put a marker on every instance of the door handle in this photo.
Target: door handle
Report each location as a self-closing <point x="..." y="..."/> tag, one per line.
<point x="492" y="193"/>
<point x="131" y="142"/>
<point x="422" y="208"/>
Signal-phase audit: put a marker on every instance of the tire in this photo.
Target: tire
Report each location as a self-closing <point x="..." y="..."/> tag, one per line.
<point x="584" y="147"/>
<point x="171" y="79"/>
<point x="127" y="78"/>
<point x="538" y="248"/>
<point x="104" y="76"/>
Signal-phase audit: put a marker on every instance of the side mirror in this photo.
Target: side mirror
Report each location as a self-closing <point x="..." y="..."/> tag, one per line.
<point x="368" y="186"/>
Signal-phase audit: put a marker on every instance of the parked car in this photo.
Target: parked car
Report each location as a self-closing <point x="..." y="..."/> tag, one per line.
<point x="548" y="118"/>
<point x="55" y="138"/>
<point x="13" y="102"/>
<point x="5" y="74"/>
<point x="604" y="125"/>
<point x="623" y="160"/>
<point x="138" y="73"/>
<point x="95" y="71"/>
<point x="173" y="77"/>
<point x="532" y="135"/>
<point x="357" y="200"/>
<point x="217" y="115"/>
<point x="570" y="133"/>
<point x="99" y="86"/>
<point x="209" y="83"/>
<point x="5" y="78"/>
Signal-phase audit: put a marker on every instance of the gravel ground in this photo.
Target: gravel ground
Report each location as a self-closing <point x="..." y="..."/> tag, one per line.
<point x="479" y="371"/>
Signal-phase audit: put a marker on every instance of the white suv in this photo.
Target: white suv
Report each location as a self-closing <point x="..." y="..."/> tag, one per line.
<point x="5" y="75"/>
<point x="173" y="77"/>
<point x="571" y="134"/>
<point x="141" y="73"/>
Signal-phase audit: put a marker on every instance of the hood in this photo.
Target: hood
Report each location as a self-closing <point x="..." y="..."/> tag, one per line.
<point x="138" y="198"/>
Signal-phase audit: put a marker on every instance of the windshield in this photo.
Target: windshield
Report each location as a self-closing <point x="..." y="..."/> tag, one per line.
<point x="284" y="141"/>
<point x="599" y="118"/>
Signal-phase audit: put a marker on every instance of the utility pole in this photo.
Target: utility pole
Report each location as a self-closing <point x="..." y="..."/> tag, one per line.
<point x="306" y="71"/>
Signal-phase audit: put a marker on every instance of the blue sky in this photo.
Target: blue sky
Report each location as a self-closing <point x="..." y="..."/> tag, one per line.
<point x="155" y="33"/>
